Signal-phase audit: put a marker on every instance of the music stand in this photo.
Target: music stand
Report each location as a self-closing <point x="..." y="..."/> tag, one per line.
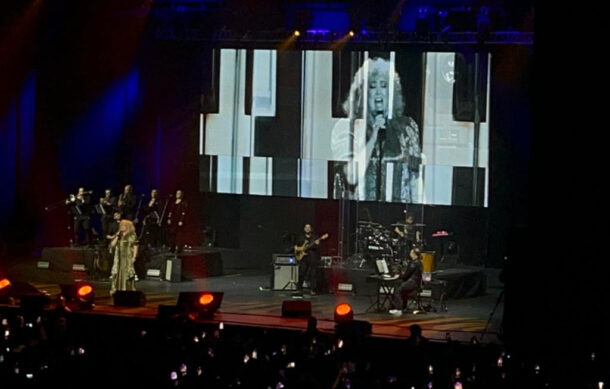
<point x="75" y="209"/>
<point x="382" y="266"/>
<point x="99" y="208"/>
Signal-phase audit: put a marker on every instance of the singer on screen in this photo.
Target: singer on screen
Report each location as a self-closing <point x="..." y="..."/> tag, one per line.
<point x="377" y="131"/>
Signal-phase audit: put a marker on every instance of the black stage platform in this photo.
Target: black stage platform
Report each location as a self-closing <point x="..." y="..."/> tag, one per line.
<point x="96" y="262"/>
<point x="460" y="281"/>
<point x="250" y="299"/>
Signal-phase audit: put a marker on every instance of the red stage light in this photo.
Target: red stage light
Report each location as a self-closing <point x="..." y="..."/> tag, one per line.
<point x="80" y="295"/>
<point x="343" y="309"/>
<point x="344" y="313"/>
<point x="84" y="290"/>
<point x="206" y="299"/>
<point x="4" y="283"/>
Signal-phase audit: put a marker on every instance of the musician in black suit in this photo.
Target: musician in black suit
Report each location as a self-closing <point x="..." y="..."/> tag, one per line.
<point x="108" y="202"/>
<point x="127" y="203"/>
<point x="176" y="223"/>
<point x="408" y="233"/>
<point x="308" y="265"/>
<point x="113" y="226"/>
<point x="150" y="224"/>
<point x="411" y="283"/>
<point x="80" y="208"/>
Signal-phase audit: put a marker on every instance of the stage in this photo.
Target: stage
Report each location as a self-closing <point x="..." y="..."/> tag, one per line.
<point x="250" y="299"/>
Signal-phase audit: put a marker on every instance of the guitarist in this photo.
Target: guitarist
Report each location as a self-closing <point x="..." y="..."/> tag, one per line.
<point x="308" y="265"/>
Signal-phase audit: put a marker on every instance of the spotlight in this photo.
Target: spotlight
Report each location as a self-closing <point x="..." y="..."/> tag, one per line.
<point x="204" y="303"/>
<point x="9" y="290"/>
<point x="351" y="33"/>
<point x="79" y="294"/>
<point x="296" y="33"/>
<point x="206" y="299"/>
<point x="344" y="313"/>
<point x="5" y="290"/>
<point x="4" y="283"/>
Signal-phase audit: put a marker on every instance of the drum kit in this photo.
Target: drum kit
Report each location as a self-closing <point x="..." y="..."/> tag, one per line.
<point x="378" y="242"/>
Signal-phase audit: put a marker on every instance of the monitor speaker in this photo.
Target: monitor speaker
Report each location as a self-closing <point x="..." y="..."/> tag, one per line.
<point x="296" y="308"/>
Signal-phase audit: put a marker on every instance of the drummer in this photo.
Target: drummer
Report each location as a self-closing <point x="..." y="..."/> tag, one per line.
<point x="407" y="231"/>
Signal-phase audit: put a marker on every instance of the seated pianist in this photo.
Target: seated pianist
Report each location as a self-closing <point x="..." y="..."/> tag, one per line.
<point x="411" y="279"/>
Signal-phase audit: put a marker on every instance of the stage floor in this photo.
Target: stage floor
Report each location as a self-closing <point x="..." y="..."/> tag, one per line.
<point x="248" y="300"/>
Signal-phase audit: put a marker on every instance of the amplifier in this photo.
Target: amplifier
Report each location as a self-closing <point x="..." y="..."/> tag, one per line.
<point x="284" y="259"/>
<point x="285" y="275"/>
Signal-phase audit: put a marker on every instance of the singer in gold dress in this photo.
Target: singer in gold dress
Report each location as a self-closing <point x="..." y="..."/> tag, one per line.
<point x="377" y="124"/>
<point x="125" y="245"/>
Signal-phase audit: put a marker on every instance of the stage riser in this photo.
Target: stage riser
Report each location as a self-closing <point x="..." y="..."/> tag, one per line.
<point x="62" y="259"/>
<point x="96" y="263"/>
<point x="192" y="266"/>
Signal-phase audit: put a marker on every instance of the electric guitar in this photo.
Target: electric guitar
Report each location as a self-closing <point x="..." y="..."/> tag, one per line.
<point x="301" y="251"/>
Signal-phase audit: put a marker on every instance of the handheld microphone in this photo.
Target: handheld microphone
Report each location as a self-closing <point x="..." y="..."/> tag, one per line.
<point x="381" y="131"/>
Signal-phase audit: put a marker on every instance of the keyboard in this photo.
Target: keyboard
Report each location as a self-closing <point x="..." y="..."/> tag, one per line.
<point x="389" y="276"/>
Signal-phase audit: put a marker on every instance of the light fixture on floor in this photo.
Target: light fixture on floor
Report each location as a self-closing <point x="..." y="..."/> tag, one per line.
<point x="204" y="303"/>
<point x="344" y="313"/>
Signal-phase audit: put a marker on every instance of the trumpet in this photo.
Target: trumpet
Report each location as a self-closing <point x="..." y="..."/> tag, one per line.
<point x="72" y="197"/>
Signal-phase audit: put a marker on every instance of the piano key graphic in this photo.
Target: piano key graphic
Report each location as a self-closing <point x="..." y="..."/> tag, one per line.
<point x="210" y="81"/>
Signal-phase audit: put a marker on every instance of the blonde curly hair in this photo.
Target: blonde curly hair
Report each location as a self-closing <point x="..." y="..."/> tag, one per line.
<point x="128" y="224"/>
<point x="375" y="66"/>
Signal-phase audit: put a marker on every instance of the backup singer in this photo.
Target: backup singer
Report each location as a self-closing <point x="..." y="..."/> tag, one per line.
<point x="176" y="220"/>
<point x="150" y="224"/>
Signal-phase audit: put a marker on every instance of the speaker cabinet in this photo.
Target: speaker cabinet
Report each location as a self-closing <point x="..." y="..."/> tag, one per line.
<point x="173" y="269"/>
<point x="296" y="308"/>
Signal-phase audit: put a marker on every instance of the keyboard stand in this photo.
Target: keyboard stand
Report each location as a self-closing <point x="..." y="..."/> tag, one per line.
<point x="384" y="292"/>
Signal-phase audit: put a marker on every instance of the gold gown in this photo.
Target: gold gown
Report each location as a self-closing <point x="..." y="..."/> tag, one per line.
<point x="123" y="274"/>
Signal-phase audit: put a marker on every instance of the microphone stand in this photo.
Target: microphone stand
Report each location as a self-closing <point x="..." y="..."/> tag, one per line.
<point x="380" y="140"/>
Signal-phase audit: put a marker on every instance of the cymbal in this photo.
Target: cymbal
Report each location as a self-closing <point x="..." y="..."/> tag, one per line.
<point x="419" y="225"/>
<point x="399" y="225"/>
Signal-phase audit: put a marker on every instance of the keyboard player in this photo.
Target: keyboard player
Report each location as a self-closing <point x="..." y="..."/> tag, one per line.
<point x="410" y="284"/>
